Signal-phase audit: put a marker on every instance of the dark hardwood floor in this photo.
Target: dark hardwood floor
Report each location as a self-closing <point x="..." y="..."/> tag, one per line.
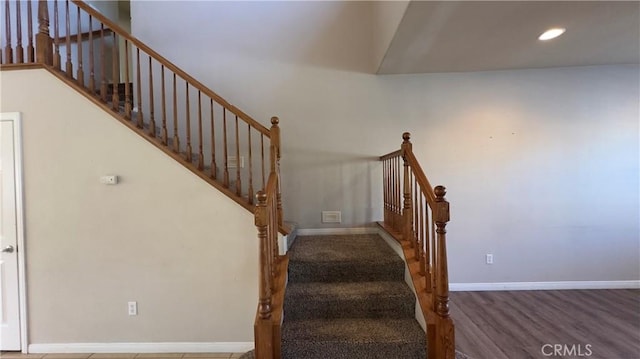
<point x="597" y="324"/>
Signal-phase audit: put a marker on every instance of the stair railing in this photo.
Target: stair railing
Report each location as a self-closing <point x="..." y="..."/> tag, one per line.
<point x="272" y="266"/>
<point x="417" y="214"/>
<point x="154" y="97"/>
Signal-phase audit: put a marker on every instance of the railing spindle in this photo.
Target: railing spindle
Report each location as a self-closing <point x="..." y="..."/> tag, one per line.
<point x="30" y="48"/>
<point x="152" y="120"/>
<point x="69" y="64"/>
<point x="19" y="49"/>
<point x="176" y="138"/>
<point x="189" y="150"/>
<point x="250" y="190"/>
<point x="140" y="112"/>
<point x="213" y="142"/>
<point x="200" y="150"/>
<point x="262" y="155"/>
<point x="163" y="134"/>
<point x="92" y="75"/>
<point x="103" y="71"/>
<point x="127" y="82"/>
<point x="57" y="63"/>
<point x="115" y="74"/>
<point x="238" y="162"/>
<point x="225" y="177"/>
<point x="80" y="71"/>
<point x="8" y="50"/>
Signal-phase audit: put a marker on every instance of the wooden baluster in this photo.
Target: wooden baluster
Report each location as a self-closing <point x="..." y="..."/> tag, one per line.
<point x="176" y="138"/>
<point x="189" y="150"/>
<point x="163" y="134"/>
<point x="200" y="152"/>
<point x="214" y="167"/>
<point x="103" y="71"/>
<point x="69" y="64"/>
<point x="19" y="48"/>
<point x="139" y="113"/>
<point x="152" y="120"/>
<point x="262" y="156"/>
<point x="395" y="194"/>
<point x="238" y="162"/>
<point x="43" y="40"/>
<point x="275" y="159"/>
<point x="115" y="74"/>
<point x="264" y="327"/>
<point x="8" y="50"/>
<point x="445" y="336"/>
<point x="92" y="75"/>
<point x="432" y="224"/>
<point x="385" y="190"/>
<point x="57" y="63"/>
<point x="389" y="192"/>
<point x="127" y="83"/>
<point x="417" y="222"/>
<point x="225" y="178"/>
<point x="427" y="247"/>
<point x="250" y="190"/>
<point x="80" y="71"/>
<point x="30" y="48"/>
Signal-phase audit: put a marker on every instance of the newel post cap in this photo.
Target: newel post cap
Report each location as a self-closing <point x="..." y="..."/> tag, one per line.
<point x="275" y="120"/>
<point x="406" y="136"/>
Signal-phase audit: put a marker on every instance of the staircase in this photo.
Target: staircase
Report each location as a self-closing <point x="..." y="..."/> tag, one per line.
<point x="346" y="298"/>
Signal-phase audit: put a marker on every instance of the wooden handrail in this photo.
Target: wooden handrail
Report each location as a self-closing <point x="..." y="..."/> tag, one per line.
<point x="169" y="65"/>
<point x="416" y="214"/>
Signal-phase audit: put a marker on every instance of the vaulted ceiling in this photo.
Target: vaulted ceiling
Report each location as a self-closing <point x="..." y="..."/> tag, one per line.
<point x="458" y="36"/>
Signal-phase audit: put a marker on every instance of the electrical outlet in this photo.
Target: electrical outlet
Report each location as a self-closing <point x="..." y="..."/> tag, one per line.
<point x="489" y="258"/>
<point x="133" y="308"/>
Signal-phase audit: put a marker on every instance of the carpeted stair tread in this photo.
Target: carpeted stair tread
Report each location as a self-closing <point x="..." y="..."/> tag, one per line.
<point x="350" y="258"/>
<point x="364" y="248"/>
<point x="349" y="300"/>
<point x="362" y="330"/>
<point x="353" y="338"/>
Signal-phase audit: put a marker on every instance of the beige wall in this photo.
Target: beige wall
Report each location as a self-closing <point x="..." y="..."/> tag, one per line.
<point x="161" y="237"/>
<point x="541" y="165"/>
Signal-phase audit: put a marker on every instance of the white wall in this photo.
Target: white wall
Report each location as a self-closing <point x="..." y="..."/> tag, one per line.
<point x="162" y="237"/>
<point x="541" y="165"/>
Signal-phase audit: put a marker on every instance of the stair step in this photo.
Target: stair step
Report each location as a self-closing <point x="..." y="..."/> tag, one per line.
<point x="353" y="338"/>
<point x="350" y="258"/>
<point x="349" y="300"/>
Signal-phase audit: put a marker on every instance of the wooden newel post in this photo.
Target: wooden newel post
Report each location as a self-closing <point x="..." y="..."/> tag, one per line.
<point x="275" y="163"/>
<point x="445" y="335"/>
<point x="407" y="210"/>
<point x="263" y="329"/>
<point x="44" y="43"/>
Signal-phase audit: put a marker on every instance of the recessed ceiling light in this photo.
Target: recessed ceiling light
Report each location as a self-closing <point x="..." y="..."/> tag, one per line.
<point x="551" y="34"/>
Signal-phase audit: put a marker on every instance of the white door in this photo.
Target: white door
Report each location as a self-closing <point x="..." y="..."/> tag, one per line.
<point x="9" y="284"/>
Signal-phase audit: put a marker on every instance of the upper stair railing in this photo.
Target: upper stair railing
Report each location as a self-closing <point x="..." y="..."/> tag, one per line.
<point x="416" y="214"/>
<point x="147" y="92"/>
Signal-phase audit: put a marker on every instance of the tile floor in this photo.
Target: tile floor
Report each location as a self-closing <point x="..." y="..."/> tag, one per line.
<point x="13" y="355"/>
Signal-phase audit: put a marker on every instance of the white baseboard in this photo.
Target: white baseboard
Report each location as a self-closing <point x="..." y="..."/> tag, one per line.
<point x="613" y="284"/>
<point x="180" y="347"/>
<point x="335" y="231"/>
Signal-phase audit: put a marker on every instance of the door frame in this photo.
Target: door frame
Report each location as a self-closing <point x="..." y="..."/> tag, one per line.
<point x="16" y="119"/>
